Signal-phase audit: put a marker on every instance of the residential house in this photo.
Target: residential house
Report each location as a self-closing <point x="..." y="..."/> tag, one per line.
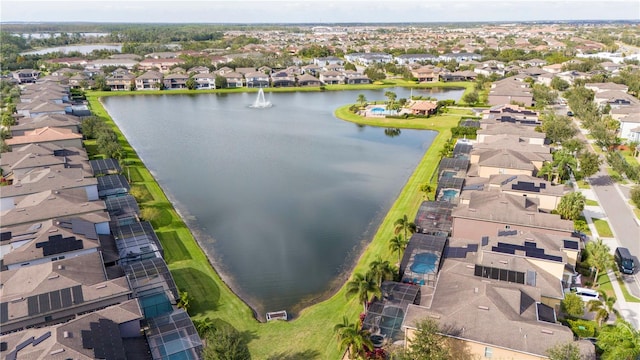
<point x="494" y="305"/>
<point x="367" y="59"/>
<point x="205" y="80"/>
<point x="426" y="74"/>
<point x="79" y="81"/>
<point x="604" y="87"/>
<point x="27" y="158"/>
<point x="352" y="77"/>
<point x="311" y="69"/>
<point x="46" y="241"/>
<point x="56" y="291"/>
<point x="552" y="68"/>
<point x="615" y="99"/>
<point x="45" y="95"/>
<point x="331" y="77"/>
<point x="150" y="80"/>
<point x="234" y="79"/>
<point x="121" y="80"/>
<point x="488" y="212"/>
<point x="405" y="59"/>
<point x="629" y="118"/>
<point x="175" y="81"/>
<point x="120" y="63"/>
<point x="458" y="76"/>
<point x="58" y="136"/>
<point x="256" y="79"/>
<point x="39" y="107"/>
<point x="161" y="64"/>
<point x="326" y="61"/>
<point x="53" y="204"/>
<point x="25" y="76"/>
<point x="199" y="70"/>
<point x="308" y="80"/>
<point x="509" y="91"/>
<point x="43" y="179"/>
<point x="109" y="333"/>
<point x="65" y="121"/>
<point x="524" y="133"/>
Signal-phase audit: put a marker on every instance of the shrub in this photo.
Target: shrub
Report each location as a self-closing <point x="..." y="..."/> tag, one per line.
<point x="635" y="195"/>
<point x="583" y="328"/>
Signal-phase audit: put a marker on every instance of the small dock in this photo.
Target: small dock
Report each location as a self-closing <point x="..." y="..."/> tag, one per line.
<point x="277" y="315"/>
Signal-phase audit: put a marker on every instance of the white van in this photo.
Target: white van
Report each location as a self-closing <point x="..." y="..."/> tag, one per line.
<point x="586" y="294"/>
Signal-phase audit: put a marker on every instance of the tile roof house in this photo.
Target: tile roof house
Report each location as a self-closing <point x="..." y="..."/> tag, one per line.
<point x="523" y="133"/>
<point x="51" y="204"/>
<point x="121" y="80"/>
<point x="308" y="80"/>
<point x="40" y="294"/>
<point x="331" y="77"/>
<point x="234" y="79"/>
<point x="488" y="212"/>
<point x="47" y="178"/>
<point x="205" y="80"/>
<point x="25" y="76"/>
<point x="27" y="158"/>
<point x="492" y="318"/>
<point x="509" y="90"/>
<point x="423" y="107"/>
<point x="40" y="107"/>
<point x="283" y="79"/>
<point x="58" y="136"/>
<point x="175" y="81"/>
<point x="150" y="80"/>
<point x="61" y="121"/>
<point x="46" y="241"/>
<point x="256" y="79"/>
<point x="109" y="333"/>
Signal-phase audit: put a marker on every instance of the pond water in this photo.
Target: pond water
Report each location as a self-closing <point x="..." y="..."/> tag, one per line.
<point x="84" y="49"/>
<point x="282" y="199"/>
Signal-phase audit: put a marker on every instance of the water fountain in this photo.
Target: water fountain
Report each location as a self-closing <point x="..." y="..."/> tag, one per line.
<point x="261" y="102"/>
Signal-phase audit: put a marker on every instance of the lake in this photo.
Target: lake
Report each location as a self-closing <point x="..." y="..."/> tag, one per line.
<point x="84" y="49"/>
<point x="282" y="199"/>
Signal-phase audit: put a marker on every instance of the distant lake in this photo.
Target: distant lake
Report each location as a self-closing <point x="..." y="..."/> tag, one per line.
<point x="282" y="199"/>
<point x="84" y="49"/>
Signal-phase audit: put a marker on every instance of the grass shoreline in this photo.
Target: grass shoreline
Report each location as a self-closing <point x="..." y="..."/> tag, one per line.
<point x="310" y="335"/>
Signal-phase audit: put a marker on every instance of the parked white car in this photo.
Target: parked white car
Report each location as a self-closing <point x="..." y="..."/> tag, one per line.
<point x="585" y="294"/>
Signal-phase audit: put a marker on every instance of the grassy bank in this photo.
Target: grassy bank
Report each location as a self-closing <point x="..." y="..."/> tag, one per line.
<point x="310" y="336"/>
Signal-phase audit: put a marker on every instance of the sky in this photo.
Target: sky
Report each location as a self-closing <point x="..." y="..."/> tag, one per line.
<point x="314" y="11"/>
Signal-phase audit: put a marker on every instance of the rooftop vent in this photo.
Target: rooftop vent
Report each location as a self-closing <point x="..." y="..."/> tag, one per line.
<point x="482" y="307"/>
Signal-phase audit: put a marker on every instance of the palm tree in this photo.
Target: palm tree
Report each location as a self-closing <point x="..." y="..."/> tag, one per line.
<point x="364" y="286"/>
<point x="603" y="307"/>
<point x="381" y="270"/>
<point x="547" y="171"/>
<point x="357" y="341"/>
<point x="183" y="301"/>
<point x="362" y="99"/>
<point x="599" y="256"/>
<point x="398" y="244"/>
<point x="391" y="96"/>
<point x="565" y="164"/>
<point x="426" y="188"/>
<point x="403" y="224"/>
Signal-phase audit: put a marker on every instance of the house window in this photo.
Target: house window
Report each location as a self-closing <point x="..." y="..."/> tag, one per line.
<point x="488" y="352"/>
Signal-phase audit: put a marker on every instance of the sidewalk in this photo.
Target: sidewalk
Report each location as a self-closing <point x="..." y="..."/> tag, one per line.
<point x="630" y="311"/>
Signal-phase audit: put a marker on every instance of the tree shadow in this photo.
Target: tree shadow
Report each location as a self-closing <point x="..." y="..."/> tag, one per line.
<point x="300" y="355"/>
<point x="601" y="180"/>
<point x="203" y="291"/>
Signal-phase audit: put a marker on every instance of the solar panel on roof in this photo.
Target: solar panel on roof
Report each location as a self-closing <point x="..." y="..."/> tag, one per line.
<point x="4" y="312"/>
<point x="570" y="244"/>
<point x="6" y="235"/>
<point x="56" y="302"/>
<point x="32" y="305"/>
<point x="530" y="244"/>
<point x="65" y="295"/>
<point x="78" y="298"/>
<point x="43" y="301"/>
<point x="24" y="344"/>
<point x="41" y="338"/>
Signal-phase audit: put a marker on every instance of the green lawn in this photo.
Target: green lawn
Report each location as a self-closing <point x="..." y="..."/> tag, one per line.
<point x="602" y="226"/>
<point x="590" y="202"/>
<point x="604" y="284"/>
<point x="583" y="184"/>
<point x="310" y="335"/>
<point x="627" y="296"/>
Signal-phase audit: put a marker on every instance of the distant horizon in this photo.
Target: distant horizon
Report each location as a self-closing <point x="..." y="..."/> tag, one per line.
<point x="288" y="12"/>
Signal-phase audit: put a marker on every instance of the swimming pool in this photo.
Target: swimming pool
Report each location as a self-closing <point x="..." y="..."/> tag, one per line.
<point x="424" y="263"/>
<point x="449" y="194"/>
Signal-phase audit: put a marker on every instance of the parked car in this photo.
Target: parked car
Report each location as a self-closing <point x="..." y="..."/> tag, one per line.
<point x="625" y="260"/>
<point x="569" y="113"/>
<point x="585" y="294"/>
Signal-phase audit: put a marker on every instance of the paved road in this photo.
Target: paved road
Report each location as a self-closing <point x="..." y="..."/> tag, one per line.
<point x="620" y="216"/>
